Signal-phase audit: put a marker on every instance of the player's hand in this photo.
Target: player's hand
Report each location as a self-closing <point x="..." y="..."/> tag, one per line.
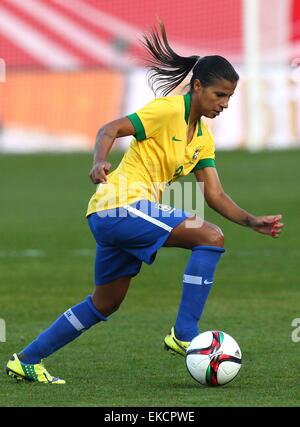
<point x="99" y="171"/>
<point x="270" y="225"/>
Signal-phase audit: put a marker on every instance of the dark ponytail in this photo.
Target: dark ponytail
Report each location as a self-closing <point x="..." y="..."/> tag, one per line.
<point x="167" y="69"/>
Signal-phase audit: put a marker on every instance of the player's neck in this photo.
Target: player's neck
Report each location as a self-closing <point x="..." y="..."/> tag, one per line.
<point x="194" y="114"/>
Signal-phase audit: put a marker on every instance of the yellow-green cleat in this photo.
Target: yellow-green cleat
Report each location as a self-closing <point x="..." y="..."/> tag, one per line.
<point x="29" y="372"/>
<point x="174" y="345"/>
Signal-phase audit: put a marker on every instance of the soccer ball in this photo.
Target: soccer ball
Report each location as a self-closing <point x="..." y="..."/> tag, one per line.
<point x="213" y="358"/>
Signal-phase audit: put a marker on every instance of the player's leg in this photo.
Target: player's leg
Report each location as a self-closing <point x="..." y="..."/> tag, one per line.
<point x="113" y="271"/>
<point x="153" y="225"/>
<point x="206" y="241"/>
<point x="108" y="298"/>
<point x="70" y="325"/>
<point x="76" y="320"/>
<point x="194" y="231"/>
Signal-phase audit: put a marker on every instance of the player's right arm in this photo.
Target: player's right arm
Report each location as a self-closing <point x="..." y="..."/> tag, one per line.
<point x="105" y="138"/>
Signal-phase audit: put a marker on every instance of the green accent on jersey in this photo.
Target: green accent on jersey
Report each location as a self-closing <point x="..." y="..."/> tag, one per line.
<point x="176" y="174"/>
<point x="199" y="133"/>
<point x="175" y="139"/>
<point x="204" y="163"/>
<point x="140" y="134"/>
<point x="187" y="106"/>
<point x="178" y="171"/>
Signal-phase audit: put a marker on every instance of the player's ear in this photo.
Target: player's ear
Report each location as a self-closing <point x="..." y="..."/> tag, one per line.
<point x="197" y="86"/>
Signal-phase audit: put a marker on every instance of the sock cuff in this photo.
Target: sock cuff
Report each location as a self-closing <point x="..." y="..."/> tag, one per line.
<point x="208" y="248"/>
<point x="94" y="310"/>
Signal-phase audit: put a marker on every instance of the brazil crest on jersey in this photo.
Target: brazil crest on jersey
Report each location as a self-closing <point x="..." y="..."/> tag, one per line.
<point x="158" y="155"/>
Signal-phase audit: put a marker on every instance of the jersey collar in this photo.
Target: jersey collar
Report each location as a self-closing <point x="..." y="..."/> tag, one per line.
<point x="187" y="109"/>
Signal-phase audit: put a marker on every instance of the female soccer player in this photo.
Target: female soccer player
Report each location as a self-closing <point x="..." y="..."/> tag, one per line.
<point x="124" y="214"/>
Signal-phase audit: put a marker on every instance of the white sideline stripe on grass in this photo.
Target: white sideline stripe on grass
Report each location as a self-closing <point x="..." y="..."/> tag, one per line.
<point x="82" y="252"/>
<point x="37" y="253"/>
<point x="22" y="254"/>
<point x="262" y="253"/>
<point x="85" y="252"/>
<point x="246" y="254"/>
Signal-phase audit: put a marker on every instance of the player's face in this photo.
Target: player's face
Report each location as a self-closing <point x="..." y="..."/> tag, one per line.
<point x="211" y="100"/>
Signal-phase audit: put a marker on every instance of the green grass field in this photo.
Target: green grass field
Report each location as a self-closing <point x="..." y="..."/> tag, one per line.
<point x="46" y="266"/>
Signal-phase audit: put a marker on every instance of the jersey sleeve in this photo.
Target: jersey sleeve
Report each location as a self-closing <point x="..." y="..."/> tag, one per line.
<point x="207" y="159"/>
<point x="204" y="163"/>
<point x="148" y="120"/>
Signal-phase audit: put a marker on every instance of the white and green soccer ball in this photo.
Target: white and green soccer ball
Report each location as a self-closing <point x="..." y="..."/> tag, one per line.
<point x="213" y="358"/>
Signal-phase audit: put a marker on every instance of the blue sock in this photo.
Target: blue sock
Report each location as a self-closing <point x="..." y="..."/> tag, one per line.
<point x="197" y="282"/>
<point x="65" y="329"/>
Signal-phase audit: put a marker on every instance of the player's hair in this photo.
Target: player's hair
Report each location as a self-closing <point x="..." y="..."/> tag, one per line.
<point x="167" y="69"/>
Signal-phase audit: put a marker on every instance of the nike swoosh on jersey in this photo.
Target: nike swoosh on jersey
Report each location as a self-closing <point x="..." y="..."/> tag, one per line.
<point x="175" y="139"/>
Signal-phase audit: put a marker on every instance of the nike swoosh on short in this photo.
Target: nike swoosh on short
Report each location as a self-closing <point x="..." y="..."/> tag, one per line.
<point x="206" y="282"/>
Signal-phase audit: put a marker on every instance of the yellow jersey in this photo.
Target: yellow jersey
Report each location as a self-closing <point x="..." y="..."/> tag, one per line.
<point x="158" y="155"/>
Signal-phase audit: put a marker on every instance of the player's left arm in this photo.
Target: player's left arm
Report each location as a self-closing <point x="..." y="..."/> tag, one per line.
<point x="218" y="200"/>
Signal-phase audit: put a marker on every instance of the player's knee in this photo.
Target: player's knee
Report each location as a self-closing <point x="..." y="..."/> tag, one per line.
<point x="113" y="306"/>
<point x="107" y="307"/>
<point x="215" y="237"/>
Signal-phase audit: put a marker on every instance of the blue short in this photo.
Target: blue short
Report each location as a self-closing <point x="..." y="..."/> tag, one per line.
<point x="127" y="236"/>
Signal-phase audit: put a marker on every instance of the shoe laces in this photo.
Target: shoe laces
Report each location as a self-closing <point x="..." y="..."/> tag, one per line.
<point x="41" y="370"/>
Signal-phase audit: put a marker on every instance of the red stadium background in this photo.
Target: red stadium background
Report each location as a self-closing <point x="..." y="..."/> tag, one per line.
<point x="67" y="62"/>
